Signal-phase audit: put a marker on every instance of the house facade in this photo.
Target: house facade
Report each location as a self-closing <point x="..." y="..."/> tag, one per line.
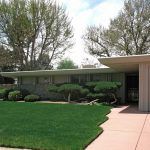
<point x="37" y="82"/>
<point x="132" y="71"/>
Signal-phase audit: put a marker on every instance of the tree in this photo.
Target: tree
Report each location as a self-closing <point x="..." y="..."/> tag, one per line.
<point x="43" y="62"/>
<point x="6" y="64"/>
<point x="66" y="64"/>
<point x="6" y="60"/>
<point x="103" y="90"/>
<point x="128" y="33"/>
<point x="33" y="29"/>
<point x="69" y="91"/>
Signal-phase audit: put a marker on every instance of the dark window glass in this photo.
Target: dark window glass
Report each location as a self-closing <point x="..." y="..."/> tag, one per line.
<point x="91" y="77"/>
<point x="74" y="79"/>
<point x="83" y="78"/>
<point x="37" y="80"/>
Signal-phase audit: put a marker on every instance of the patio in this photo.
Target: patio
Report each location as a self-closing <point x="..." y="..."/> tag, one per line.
<point x="126" y="129"/>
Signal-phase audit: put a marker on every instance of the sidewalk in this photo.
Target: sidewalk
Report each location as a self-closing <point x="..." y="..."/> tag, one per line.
<point x="126" y="129"/>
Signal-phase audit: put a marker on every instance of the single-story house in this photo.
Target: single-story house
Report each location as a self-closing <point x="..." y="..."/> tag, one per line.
<point x="132" y="71"/>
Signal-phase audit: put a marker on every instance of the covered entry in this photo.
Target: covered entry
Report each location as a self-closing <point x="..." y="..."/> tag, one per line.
<point x="139" y="64"/>
<point x="132" y="87"/>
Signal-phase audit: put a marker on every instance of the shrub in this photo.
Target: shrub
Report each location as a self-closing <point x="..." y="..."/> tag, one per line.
<point x="69" y="90"/>
<point x="103" y="90"/>
<point x="4" y="93"/>
<point x="31" y="98"/>
<point x="118" y="84"/>
<point x="24" y="93"/>
<point x="52" y="88"/>
<point x="92" y="84"/>
<point x="14" y="96"/>
<point x="103" y="85"/>
<point x="84" y="92"/>
<point x="107" y="87"/>
<point x="93" y="96"/>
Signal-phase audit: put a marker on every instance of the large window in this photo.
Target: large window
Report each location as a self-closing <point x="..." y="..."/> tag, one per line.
<point x="75" y="79"/>
<point x="83" y="78"/>
<point x="80" y="78"/>
<point x="45" y="80"/>
<point x="28" y="80"/>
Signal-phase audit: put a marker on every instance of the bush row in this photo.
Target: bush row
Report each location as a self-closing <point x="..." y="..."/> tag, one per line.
<point x="104" y="91"/>
<point x="17" y="95"/>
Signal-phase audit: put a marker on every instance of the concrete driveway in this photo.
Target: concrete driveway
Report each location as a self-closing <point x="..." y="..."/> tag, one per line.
<point x="126" y="129"/>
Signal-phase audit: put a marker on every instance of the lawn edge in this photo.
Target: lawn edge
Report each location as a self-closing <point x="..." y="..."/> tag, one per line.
<point x="84" y="147"/>
<point x="100" y="132"/>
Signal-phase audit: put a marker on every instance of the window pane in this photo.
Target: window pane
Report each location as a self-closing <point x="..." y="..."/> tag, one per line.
<point x="74" y="79"/>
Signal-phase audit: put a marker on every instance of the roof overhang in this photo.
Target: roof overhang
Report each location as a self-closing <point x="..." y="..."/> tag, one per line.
<point x="116" y="64"/>
<point x="57" y="72"/>
<point x="125" y="63"/>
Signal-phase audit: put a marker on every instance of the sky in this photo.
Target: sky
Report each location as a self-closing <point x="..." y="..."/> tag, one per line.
<point x="84" y="13"/>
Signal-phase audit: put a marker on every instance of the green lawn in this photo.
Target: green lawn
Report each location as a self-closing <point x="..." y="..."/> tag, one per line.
<point x="49" y="126"/>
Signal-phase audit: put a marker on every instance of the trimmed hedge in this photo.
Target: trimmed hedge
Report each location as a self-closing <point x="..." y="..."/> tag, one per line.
<point x="96" y="95"/>
<point x="52" y="88"/>
<point x="101" y="90"/>
<point x="84" y="92"/>
<point x="31" y="98"/>
<point x="14" y="96"/>
<point x="69" y="91"/>
<point x="69" y="88"/>
<point x="107" y="87"/>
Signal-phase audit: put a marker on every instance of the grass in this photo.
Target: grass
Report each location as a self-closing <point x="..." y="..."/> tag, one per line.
<point x="49" y="126"/>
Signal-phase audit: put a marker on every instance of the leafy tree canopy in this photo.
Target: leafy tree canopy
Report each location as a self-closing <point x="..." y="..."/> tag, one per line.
<point x="6" y="59"/>
<point x="128" y="33"/>
<point x="36" y="31"/>
<point x="69" y="90"/>
<point x="66" y="64"/>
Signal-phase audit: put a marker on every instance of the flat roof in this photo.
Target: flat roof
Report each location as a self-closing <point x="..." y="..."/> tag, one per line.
<point x="115" y="64"/>
<point x="125" y="63"/>
<point x="58" y="72"/>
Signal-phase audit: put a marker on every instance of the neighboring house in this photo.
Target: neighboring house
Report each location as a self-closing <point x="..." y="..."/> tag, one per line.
<point x="132" y="71"/>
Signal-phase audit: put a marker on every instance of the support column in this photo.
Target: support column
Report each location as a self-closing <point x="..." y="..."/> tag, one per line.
<point x="144" y="87"/>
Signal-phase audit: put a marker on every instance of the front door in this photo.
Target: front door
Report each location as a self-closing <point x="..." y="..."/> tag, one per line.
<point x="132" y="88"/>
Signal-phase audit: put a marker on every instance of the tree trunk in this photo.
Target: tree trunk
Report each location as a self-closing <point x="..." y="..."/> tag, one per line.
<point x="69" y="96"/>
<point x="115" y="99"/>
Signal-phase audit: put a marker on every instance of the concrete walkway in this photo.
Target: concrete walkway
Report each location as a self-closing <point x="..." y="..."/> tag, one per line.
<point x="126" y="129"/>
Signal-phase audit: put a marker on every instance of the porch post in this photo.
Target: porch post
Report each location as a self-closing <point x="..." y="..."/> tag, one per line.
<point x="144" y="87"/>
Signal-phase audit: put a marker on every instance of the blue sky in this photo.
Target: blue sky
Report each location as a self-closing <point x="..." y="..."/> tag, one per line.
<point x="93" y="3"/>
<point x="84" y="13"/>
